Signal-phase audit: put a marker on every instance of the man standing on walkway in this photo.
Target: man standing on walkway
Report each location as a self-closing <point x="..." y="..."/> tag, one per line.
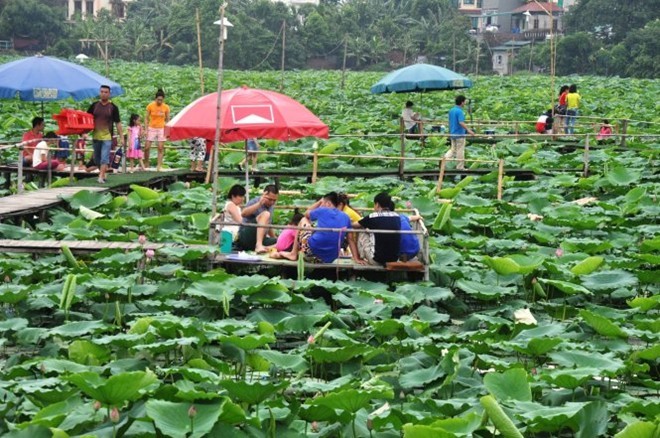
<point x="457" y="131"/>
<point x="106" y="116"/>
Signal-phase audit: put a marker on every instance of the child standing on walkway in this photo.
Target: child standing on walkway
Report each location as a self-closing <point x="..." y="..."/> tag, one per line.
<point x="134" y="150"/>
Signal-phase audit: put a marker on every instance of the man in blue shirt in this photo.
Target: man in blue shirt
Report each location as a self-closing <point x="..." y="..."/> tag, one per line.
<point x="457" y="131"/>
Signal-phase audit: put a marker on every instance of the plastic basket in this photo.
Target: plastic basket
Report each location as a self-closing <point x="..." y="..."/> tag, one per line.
<point x="73" y="122"/>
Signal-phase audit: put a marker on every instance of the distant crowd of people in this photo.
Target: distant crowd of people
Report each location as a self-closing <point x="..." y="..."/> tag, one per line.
<point x="250" y="228"/>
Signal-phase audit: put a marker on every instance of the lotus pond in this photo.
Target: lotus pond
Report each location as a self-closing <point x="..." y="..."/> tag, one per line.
<point x="540" y="319"/>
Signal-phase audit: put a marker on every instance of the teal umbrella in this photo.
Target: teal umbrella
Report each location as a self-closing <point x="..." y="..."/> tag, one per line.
<point x="420" y="77"/>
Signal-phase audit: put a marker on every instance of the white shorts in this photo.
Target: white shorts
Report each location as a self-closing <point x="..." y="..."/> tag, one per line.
<point x="155" y="134"/>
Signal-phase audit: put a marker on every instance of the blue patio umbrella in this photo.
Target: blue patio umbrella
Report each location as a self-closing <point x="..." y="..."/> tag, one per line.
<point x="420" y="77"/>
<point x="43" y="78"/>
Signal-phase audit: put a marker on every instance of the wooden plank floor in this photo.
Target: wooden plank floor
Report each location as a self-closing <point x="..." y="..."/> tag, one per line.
<point x="38" y="199"/>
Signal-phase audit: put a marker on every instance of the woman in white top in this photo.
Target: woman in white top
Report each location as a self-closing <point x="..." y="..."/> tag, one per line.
<point x="232" y="209"/>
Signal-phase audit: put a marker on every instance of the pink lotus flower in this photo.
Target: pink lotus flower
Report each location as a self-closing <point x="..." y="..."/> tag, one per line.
<point x="315" y="426"/>
<point x="114" y="415"/>
<point x="192" y="411"/>
<point x="559" y="252"/>
<point x="142" y="239"/>
<point x="408" y="204"/>
<point x="311" y="339"/>
<point x="378" y="301"/>
<point x="96" y="405"/>
<point x="7" y="279"/>
<point x="150" y="253"/>
<point x="370" y="424"/>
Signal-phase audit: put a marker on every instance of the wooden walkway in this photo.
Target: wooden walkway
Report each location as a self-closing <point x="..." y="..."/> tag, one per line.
<point x="37" y="200"/>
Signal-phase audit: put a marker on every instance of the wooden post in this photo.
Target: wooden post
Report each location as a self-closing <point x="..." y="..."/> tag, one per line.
<point x="209" y="169"/>
<point x="585" y="170"/>
<point x="500" y="180"/>
<point x="403" y="147"/>
<point x="441" y="176"/>
<point x="343" y="64"/>
<point x="315" y="166"/>
<point x="199" y="51"/>
<point x="283" y="52"/>
<point x="19" y="176"/>
<point x="516" y="129"/>
<point x="50" y="167"/>
<point x="73" y="162"/>
<point x="624" y="130"/>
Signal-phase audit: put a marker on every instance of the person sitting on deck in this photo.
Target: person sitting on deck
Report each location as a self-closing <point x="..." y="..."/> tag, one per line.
<point x="32" y="137"/>
<point x="287" y="237"/>
<point x="320" y="246"/>
<point x="379" y="248"/>
<point x="409" y="242"/>
<point x="40" y="158"/>
<point x="259" y="211"/>
<point x="604" y="132"/>
<point x="544" y="123"/>
<point x="232" y="210"/>
<point x="410" y="119"/>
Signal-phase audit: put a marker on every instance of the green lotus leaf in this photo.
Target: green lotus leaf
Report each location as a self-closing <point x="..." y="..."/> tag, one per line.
<point x="566" y="286"/>
<point x="621" y="176"/>
<point x="502" y="265"/>
<point x="442" y="217"/>
<point x="88" y="199"/>
<point x="420" y="378"/>
<point x="351" y="400"/>
<point x="609" y="280"/>
<point x="484" y="291"/>
<point x="248" y="342"/>
<point x="13" y="294"/>
<point x="603" y="325"/>
<point x="117" y="389"/>
<point x="172" y="419"/>
<point x="639" y="429"/>
<point x="85" y="352"/>
<point x="252" y="392"/>
<point x="645" y="303"/>
<point x="200" y="221"/>
<point x="188" y="392"/>
<point x="110" y="224"/>
<point x="145" y="192"/>
<point x="569" y="379"/>
<point x="388" y="327"/>
<point x="604" y="362"/>
<point x="13" y="232"/>
<point x="511" y="384"/>
<point x="293" y="362"/>
<point x="210" y="290"/>
<point x="423" y="431"/>
<point x="80" y="328"/>
<point x="587" y="266"/>
<point x="337" y="354"/>
<point x="545" y="418"/>
<point x="90" y="214"/>
<point x="592" y="420"/>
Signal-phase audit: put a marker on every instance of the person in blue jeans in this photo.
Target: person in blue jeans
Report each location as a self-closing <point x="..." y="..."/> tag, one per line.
<point x="572" y="104"/>
<point x="106" y="117"/>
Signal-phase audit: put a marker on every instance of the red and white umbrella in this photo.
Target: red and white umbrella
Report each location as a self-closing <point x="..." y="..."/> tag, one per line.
<point x="246" y="113"/>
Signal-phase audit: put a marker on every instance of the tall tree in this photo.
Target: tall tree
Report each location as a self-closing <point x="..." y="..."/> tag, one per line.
<point x="31" y="19"/>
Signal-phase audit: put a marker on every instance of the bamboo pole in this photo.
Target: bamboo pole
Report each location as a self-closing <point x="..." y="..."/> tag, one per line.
<point x="73" y="163"/>
<point x="403" y="147"/>
<point x="585" y="171"/>
<point x="19" y="183"/>
<point x="441" y="175"/>
<point x="50" y="167"/>
<point x="199" y="51"/>
<point x="500" y="180"/>
<point x="218" y="121"/>
<point x="209" y="169"/>
<point x="624" y="131"/>
<point x="283" y="52"/>
<point x="315" y="166"/>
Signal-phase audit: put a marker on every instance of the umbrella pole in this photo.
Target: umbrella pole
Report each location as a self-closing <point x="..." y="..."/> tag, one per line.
<point x="214" y="200"/>
<point x="247" y="173"/>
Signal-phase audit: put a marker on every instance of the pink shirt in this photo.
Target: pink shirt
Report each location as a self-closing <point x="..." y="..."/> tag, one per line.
<point x="285" y="240"/>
